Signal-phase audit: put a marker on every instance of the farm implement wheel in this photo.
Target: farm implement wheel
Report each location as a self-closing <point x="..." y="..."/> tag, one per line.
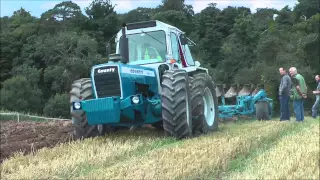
<point x="262" y="110"/>
<point x="82" y="90"/>
<point x="176" y="110"/>
<point x="204" y="104"/>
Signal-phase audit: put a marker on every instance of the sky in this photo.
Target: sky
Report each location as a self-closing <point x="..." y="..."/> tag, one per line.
<point x="37" y="7"/>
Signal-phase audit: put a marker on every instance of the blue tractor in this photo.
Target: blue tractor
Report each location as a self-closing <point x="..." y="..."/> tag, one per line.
<point x="151" y="79"/>
<point x="248" y="102"/>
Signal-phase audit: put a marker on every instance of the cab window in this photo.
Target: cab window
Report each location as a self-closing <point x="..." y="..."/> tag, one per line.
<point x="147" y="46"/>
<point x="175" y="47"/>
<point x="187" y="52"/>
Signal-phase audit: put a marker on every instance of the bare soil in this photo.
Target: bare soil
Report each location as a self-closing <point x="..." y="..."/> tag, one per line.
<point x="28" y="136"/>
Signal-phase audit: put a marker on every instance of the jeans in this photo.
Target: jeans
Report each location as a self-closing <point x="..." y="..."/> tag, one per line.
<point x="284" y="107"/>
<point x="298" y="109"/>
<point x="315" y="108"/>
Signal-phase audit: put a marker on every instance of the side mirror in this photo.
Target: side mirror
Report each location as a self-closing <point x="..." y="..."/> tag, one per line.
<point x="183" y="40"/>
<point x="197" y="63"/>
<point x="108" y="49"/>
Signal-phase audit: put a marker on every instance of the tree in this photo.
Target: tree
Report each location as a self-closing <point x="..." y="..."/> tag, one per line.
<point x="65" y="15"/>
<point x="306" y="8"/>
<point x="57" y="106"/>
<point x="139" y="14"/>
<point x="17" y="94"/>
<point x="14" y="34"/>
<point x="233" y="43"/>
<point x="103" y="22"/>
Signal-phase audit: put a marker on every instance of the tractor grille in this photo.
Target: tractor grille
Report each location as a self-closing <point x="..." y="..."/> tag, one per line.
<point x="107" y="81"/>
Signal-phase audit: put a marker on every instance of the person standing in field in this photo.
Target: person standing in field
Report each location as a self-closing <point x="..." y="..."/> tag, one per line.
<point x="298" y="93"/>
<point x="284" y="94"/>
<point x="316" y="105"/>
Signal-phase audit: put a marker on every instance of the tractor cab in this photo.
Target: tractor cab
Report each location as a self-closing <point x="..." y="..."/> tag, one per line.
<point x="152" y="42"/>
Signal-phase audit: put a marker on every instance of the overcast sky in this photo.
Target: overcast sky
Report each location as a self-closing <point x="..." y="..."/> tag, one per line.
<point x="37" y="7"/>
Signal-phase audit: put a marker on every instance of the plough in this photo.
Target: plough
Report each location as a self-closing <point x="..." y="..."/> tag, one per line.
<point x="249" y="101"/>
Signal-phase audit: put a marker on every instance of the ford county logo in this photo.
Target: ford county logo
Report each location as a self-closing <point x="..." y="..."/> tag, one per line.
<point x="106" y="70"/>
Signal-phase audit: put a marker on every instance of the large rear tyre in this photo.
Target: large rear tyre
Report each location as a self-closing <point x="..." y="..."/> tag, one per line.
<point x="176" y="109"/>
<point x="82" y="90"/>
<point x="204" y="104"/>
<point x="262" y="110"/>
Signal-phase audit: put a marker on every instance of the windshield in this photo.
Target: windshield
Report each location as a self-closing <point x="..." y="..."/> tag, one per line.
<point x="147" y="47"/>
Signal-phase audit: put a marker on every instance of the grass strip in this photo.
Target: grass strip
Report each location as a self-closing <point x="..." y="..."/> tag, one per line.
<point x="241" y="160"/>
<point x="165" y="143"/>
<point x="85" y="169"/>
<point x="240" y="163"/>
<point x="190" y="157"/>
<point x="295" y="156"/>
<point x="254" y="143"/>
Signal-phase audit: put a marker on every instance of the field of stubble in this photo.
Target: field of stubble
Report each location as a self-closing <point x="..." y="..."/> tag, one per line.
<point x="246" y="150"/>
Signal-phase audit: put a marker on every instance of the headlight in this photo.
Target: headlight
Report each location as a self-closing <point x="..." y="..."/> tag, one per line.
<point x="77" y="105"/>
<point x="135" y="99"/>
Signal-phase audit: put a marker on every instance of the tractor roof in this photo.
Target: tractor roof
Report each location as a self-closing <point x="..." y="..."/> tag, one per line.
<point x="132" y="28"/>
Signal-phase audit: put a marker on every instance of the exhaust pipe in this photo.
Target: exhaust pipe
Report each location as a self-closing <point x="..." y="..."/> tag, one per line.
<point x="124" y="49"/>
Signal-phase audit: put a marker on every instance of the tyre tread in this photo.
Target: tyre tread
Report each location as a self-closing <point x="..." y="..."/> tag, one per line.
<point x="175" y="86"/>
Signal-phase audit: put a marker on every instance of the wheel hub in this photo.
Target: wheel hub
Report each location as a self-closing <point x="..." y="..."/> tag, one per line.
<point x="209" y="109"/>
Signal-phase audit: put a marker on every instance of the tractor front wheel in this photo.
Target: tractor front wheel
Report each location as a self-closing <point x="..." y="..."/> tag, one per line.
<point x="176" y="106"/>
<point x="82" y="90"/>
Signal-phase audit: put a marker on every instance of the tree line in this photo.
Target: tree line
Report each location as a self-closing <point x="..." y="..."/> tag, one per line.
<point x="41" y="57"/>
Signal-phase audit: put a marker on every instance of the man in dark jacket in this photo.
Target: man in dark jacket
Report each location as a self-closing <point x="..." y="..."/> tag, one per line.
<point x="284" y="94"/>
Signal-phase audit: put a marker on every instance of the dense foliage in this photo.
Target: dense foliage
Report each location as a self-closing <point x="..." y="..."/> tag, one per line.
<point x="40" y="57"/>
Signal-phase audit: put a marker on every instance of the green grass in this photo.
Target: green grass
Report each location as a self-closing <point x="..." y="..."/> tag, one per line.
<point x="294" y="155"/>
<point x="240" y="163"/>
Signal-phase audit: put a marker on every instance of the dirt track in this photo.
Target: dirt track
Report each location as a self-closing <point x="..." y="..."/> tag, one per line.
<point x="28" y="136"/>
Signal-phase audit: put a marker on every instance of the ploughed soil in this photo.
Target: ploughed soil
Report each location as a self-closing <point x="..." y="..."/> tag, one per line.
<point x="28" y="136"/>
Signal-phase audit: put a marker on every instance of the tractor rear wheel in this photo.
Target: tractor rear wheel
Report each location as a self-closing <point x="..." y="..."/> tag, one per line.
<point x="176" y="107"/>
<point x="204" y="104"/>
<point x="262" y="110"/>
<point x="82" y="90"/>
